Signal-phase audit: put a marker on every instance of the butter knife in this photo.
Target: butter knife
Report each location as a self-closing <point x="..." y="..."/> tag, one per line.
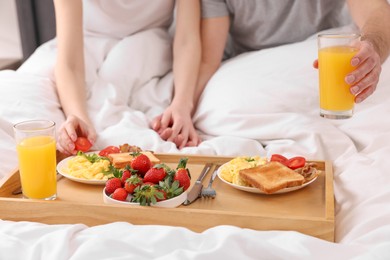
<point x="195" y="192"/>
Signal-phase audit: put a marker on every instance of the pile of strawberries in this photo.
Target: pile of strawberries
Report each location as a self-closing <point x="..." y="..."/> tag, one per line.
<point x="146" y="183"/>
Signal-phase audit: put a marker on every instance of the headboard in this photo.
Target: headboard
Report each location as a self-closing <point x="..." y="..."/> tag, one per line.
<point x="36" y="23"/>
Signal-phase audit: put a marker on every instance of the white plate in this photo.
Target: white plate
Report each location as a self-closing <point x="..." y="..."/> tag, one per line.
<point x="256" y="190"/>
<point x="171" y="203"/>
<point x="64" y="163"/>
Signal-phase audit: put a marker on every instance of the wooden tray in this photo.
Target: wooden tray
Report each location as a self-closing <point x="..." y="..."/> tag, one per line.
<point x="309" y="210"/>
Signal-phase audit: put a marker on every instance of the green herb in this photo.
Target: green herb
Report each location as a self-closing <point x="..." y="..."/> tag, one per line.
<point x="91" y="157"/>
<point x="117" y="173"/>
<point x="250" y="159"/>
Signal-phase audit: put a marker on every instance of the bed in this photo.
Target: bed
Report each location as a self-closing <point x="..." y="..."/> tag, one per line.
<point x="258" y="103"/>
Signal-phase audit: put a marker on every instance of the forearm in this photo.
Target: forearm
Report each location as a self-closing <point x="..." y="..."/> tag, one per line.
<point x="375" y="32"/>
<point x="214" y="33"/>
<point x="69" y="70"/>
<point x="206" y="71"/>
<point x="186" y="70"/>
<point x="71" y="92"/>
<point x="186" y="53"/>
<point x="373" y="19"/>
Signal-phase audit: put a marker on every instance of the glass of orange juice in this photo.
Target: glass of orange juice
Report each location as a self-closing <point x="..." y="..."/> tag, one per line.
<point x="36" y="148"/>
<point x="335" y="52"/>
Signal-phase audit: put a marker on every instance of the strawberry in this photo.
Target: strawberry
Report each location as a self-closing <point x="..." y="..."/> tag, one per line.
<point x="147" y="194"/>
<point x="141" y="163"/>
<point x="133" y="182"/>
<point x="183" y="178"/>
<point x="171" y="189"/>
<point x="182" y="174"/>
<point x="125" y="175"/>
<point x="112" y="184"/>
<point x="119" y="194"/>
<point x="155" y="174"/>
<point x="162" y="196"/>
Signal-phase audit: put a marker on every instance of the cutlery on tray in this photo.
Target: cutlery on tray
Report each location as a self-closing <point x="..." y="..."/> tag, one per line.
<point x="196" y="190"/>
<point x="209" y="191"/>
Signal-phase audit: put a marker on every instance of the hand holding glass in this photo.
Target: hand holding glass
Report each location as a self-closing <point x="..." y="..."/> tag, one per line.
<point x="335" y="52"/>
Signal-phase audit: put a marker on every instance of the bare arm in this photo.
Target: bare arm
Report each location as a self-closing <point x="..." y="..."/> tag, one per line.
<point x="186" y="51"/>
<point x="69" y="70"/>
<point x="70" y="74"/>
<point x="214" y="35"/>
<point x="175" y="124"/>
<point x="373" y="19"/>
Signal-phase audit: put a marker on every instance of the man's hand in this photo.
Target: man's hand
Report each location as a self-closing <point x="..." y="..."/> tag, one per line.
<point x="364" y="79"/>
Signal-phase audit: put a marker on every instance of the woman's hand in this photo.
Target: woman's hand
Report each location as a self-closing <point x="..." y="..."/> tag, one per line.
<point x="176" y="125"/>
<point x="72" y="128"/>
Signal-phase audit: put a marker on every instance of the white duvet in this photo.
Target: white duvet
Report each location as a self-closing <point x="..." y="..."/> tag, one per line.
<point x="257" y="104"/>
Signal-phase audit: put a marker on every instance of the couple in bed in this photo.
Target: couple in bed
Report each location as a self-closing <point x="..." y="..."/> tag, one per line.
<point x="206" y="33"/>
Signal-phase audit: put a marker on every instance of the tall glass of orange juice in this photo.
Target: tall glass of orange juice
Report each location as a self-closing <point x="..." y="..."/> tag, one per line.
<point x="335" y="52"/>
<point x="36" y="148"/>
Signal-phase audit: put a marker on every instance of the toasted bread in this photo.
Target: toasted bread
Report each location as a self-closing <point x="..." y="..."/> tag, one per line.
<point x="120" y="160"/>
<point x="271" y="177"/>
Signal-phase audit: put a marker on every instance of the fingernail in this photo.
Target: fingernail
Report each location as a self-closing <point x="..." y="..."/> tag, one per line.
<point x="355" y="61"/>
<point x="350" y="79"/>
<point x="71" y="146"/>
<point x="358" y="100"/>
<point x="73" y="137"/>
<point x="355" y="90"/>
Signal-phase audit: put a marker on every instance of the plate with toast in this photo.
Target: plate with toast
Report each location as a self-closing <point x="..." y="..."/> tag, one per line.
<point x="271" y="178"/>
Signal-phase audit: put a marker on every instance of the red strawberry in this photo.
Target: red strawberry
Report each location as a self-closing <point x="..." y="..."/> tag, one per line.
<point x="147" y="194"/>
<point x="141" y="163"/>
<point x="161" y="195"/>
<point x="125" y="175"/>
<point x="182" y="174"/>
<point x="183" y="178"/>
<point x="112" y="184"/>
<point x="119" y="194"/>
<point x="155" y="174"/>
<point x="133" y="182"/>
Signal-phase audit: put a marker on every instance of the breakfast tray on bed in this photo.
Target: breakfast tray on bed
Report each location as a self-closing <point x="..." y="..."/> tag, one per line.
<point x="309" y="210"/>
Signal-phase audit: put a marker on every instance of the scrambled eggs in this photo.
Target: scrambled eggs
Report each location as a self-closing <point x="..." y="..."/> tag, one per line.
<point x="229" y="171"/>
<point x="80" y="167"/>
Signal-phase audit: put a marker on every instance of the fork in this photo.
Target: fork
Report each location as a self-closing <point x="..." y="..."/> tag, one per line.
<point x="210" y="192"/>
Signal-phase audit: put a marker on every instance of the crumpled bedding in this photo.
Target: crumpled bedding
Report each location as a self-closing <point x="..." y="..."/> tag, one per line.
<point x="258" y="103"/>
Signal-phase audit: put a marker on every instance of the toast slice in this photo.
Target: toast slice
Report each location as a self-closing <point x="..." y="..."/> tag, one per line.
<point x="120" y="160"/>
<point x="271" y="177"/>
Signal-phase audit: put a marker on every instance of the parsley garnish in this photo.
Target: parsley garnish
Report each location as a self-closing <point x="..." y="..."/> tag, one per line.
<point x="91" y="157"/>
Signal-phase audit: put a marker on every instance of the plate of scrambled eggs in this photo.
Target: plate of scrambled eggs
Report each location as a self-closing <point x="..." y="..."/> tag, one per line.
<point x="86" y="168"/>
<point x="228" y="173"/>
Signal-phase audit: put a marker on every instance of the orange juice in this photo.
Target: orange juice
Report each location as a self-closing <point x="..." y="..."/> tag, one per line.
<point x="37" y="166"/>
<point x="334" y="65"/>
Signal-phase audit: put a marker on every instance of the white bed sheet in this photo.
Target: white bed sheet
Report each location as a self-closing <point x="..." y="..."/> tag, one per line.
<point x="257" y="104"/>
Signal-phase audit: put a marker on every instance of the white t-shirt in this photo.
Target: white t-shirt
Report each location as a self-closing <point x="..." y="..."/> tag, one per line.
<point x="258" y="24"/>
<point x="121" y="18"/>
